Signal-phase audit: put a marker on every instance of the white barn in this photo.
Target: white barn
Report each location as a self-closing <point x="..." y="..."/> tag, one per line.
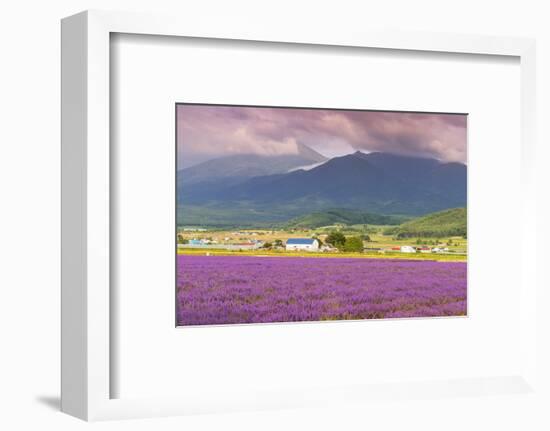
<point x="307" y="244"/>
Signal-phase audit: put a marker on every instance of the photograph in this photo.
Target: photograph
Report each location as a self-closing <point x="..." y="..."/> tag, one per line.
<point x="301" y="214"/>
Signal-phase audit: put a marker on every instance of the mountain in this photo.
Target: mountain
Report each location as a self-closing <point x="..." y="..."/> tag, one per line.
<point x="444" y="223"/>
<point x="342" y="216"/>
<point x="237" y="167"/>
<point x="376" y="182"/>
<point x="309" y="154"/>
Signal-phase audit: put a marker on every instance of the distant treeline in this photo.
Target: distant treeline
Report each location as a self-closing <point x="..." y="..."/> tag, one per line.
<point x="451" y="222"/>
<point x="216" y="220"/>
<point x="345" y="217"/>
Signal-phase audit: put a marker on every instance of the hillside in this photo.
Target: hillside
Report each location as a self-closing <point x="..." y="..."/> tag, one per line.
<point x="451" y="222"/>
<point x="342" y="216"/>
<point x="378" y="183"/>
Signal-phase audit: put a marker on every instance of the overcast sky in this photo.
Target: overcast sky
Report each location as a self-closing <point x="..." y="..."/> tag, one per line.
<point x="206" y="132"/>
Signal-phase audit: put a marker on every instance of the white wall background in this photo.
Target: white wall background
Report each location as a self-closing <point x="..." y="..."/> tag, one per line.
<point x="29" y="186"/>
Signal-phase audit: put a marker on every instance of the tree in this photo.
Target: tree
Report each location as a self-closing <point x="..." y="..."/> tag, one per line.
<point x="366" y="238"/>
<point x="267" y="245"/>
<point x="391" y="230"/>
<point x="336" y="239"/>
<point x="353" y="244"/>
<point x="278" y="243"/>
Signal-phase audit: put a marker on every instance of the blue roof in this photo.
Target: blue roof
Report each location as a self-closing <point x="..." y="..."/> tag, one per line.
<point x="300" y="241"/>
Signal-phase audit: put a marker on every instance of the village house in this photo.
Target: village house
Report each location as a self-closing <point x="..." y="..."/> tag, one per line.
<point x="408" y="249"/>
<point x="306" y="244"/>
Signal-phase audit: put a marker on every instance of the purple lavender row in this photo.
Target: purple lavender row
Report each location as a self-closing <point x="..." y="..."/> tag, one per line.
<point x="248" y="289"/>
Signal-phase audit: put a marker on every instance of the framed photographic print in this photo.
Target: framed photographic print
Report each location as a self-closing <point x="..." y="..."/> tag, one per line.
<point x="263" y="218"/>
<point x="301" y="214"/>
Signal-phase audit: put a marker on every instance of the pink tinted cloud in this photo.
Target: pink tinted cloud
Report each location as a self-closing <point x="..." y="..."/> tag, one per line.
<point x="212" y="131"/>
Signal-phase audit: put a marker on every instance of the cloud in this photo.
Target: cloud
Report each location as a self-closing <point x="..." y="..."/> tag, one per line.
<point x="212" y="131"/>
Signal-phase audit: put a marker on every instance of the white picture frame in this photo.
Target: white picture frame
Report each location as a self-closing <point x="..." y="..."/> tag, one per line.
<point x="86" y="313"/>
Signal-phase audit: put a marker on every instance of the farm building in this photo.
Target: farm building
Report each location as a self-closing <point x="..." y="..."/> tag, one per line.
<point x="407" y="249"/>
<point x="307" y="244"/>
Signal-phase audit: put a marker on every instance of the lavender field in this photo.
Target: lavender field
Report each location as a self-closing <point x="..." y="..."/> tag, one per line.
<point x="248" y="289"/>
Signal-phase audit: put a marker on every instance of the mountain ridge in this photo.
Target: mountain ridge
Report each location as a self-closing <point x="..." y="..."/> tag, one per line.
<point x="379" y="183"/>
<point x="248" y="165"/>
